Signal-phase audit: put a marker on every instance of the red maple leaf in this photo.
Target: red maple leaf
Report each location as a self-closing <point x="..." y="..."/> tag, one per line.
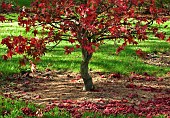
<point x="159" y="20"/>
<point x="160" y="35"/>
<point x="9" y="54"/>
<point x="77" y="46"/>
<point x="140" y="53"/>
<point x="2" y="18"/>
<point x="68" y="50"/>
<point x="35" y="32"/>
<point x="27" y="29"/>
<point x="4" y="57"/>
<point x="71" y="40"/>
<point x="168" y="40"/>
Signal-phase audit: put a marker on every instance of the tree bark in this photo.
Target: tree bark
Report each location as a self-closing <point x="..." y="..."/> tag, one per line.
<point x="88" y="83"/>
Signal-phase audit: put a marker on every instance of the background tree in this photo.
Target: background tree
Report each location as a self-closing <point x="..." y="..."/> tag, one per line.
<point x="85" y="24"/>
<point x="163" y="3"/>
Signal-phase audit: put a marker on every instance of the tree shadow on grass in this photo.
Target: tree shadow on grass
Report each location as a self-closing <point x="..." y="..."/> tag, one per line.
<point x="103" y="60"/>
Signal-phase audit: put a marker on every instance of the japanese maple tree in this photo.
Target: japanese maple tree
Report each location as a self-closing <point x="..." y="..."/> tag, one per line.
<point x="85" y="24"/>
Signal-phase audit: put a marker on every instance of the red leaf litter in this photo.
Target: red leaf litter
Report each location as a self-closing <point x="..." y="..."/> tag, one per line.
<point x="143" y="95"/>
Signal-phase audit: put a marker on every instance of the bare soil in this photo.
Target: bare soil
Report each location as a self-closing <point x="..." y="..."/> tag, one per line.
<point x="44" y="88"/>
<point x="158" y="59"/>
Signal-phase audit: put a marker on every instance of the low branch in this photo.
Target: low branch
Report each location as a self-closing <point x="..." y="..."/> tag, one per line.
<point x="108" y="38"/>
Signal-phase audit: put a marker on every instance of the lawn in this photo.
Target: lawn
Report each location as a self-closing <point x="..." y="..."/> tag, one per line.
<point x="104" y="60"/>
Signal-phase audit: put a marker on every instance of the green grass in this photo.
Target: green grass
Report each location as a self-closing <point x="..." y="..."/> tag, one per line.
<point x="21" y="2"/>
<point x="10" y="108"/>
<point x="104" y="60"/>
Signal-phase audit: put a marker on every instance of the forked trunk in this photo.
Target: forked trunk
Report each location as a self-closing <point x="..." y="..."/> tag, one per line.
<point x="88" y="83"/>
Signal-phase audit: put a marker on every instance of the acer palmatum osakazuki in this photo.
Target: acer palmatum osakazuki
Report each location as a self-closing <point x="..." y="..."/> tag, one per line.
<point x="85" y="24"/>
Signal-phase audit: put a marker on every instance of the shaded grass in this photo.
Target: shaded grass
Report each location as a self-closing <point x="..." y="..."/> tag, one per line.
<point x="22" y="2"/>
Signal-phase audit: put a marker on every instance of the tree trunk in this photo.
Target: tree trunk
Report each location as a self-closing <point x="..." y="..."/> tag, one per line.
<point x="88" y="83"/>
